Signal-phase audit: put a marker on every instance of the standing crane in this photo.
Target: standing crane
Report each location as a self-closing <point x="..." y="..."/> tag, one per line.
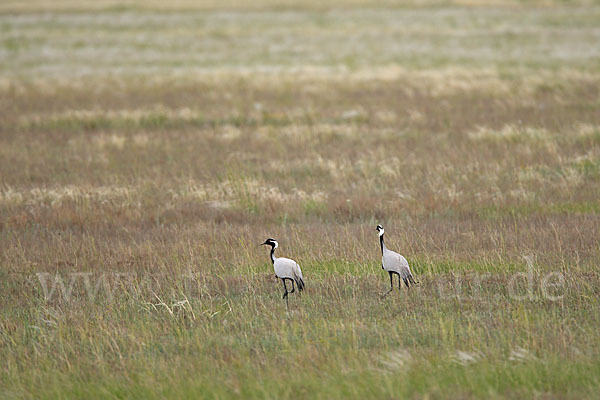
<point x="394" y="263"/>
<point x="285" y="269"/>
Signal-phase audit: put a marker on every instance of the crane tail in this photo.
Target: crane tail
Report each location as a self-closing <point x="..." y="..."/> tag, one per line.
<point x="299" y="282"/>
<point x="298" y="278"/>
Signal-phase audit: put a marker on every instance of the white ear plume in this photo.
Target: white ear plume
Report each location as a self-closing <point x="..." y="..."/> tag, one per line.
<point x="276" y="244"/>
<point x="381" y="232"/>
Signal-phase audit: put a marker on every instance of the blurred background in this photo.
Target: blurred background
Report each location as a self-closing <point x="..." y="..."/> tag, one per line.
<point x="142" y="112"/>
<point x="166" y="139"/>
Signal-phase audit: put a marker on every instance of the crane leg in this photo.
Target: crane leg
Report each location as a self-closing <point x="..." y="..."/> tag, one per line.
<point x="391" y="285"/>
<point x="285" y="293"/>
<point x="293" y="288"/>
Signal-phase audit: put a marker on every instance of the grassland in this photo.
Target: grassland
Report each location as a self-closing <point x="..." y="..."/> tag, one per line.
<point x="146" y="150"/>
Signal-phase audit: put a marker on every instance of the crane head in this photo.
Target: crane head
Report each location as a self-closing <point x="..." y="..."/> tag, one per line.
<point x="271" y="242"/>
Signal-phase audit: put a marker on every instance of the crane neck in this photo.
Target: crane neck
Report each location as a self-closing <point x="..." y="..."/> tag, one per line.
<point x="381" y="243"/>
<point x="273" y="254"/>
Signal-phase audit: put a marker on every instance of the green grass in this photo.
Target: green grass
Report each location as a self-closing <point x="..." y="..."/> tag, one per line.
<point x="239" y="341"/>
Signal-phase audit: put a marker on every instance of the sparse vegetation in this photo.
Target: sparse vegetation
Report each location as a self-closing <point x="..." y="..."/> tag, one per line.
<point x="146" y="150"/>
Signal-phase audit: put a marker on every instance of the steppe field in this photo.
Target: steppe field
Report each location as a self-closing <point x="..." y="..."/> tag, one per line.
<point x="147" y="148"/>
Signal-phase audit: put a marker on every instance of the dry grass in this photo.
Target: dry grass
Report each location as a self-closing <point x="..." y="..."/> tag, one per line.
<point x="145" y="154"/>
